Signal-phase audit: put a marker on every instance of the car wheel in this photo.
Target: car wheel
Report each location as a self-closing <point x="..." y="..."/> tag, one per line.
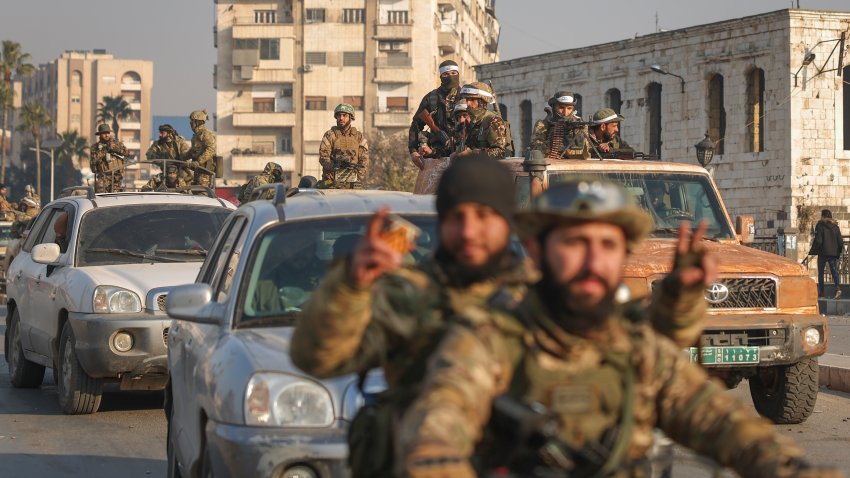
<point x="22" y="372"/>
<point x="79" y="394"/>
<point x="786" y="393"/>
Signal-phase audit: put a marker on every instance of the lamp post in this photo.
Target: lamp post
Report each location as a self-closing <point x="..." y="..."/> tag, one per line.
<point x="705" y="150"/>
<point x="658" y="69"/>
<point x="51" y="145"/>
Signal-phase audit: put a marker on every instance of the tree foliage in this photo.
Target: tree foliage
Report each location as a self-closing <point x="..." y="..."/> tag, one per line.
<point x="112" y="110"/>
<point x="390" y="167"/>
<point x="73" y="147"/>
<point x="13" y="64"/>
<point x="34" y="117"/>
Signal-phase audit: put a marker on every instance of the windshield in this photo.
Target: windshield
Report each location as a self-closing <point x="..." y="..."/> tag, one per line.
<point x="148" y="233"/>
<point x="5" y="235"/>
<point x="290" y="259"/>
<point x="670" y="198"/>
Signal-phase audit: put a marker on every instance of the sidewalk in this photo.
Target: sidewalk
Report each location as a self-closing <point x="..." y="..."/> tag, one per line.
<point x="835" y="372"/>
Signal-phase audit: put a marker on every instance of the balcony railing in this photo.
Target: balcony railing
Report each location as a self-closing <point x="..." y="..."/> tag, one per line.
<point x="394" y="31"/>
<point x="394" y="61"/>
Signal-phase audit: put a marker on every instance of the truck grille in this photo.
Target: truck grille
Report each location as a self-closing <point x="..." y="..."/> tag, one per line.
<point x="165" y="336"/>
<point x="160" y="301"/>
<point x="742" y="338"/>
<point x="743" y="293"/>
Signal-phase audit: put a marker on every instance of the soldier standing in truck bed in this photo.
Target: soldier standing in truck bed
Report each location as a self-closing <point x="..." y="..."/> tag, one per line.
<point x="202" y="152"/>
<point x="438" y="103"/>
<point x="556" y="136"/>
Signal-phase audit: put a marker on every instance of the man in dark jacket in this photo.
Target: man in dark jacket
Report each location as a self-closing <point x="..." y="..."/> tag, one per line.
<point x="827" y="245"/>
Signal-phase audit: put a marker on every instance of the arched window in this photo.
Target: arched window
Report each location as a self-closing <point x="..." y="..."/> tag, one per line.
<point x="76" y="79"/>
<point x="131" y="78"/>
<point x="653" y="100"/>
<point x="503" y="110"/>
<point x="755" y="110"/>
<point x="612" y="99"/>
<point x="716" y="113"/>
<point x="526" y="123"/>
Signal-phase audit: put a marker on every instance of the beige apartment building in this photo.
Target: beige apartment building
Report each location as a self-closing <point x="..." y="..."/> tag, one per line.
<point x="284" y="65"/>
<point x="71" y="87"/>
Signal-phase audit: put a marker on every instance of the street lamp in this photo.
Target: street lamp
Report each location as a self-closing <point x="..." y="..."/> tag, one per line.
<point x="808" y="58"/>
<point x="657" y="68"/>
<point x="52" y="144"/>
<point x="705" y="150"/>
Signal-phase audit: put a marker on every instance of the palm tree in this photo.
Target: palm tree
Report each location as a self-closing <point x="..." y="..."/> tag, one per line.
<point x="73" y="146"/>
<point x="111" y="110"/>
<point x="13" y="63"/>
<point x="33" y="118"/>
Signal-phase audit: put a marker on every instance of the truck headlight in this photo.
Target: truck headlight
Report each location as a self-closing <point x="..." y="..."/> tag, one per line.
<point x="812" y="336"/>
<point x="279" y="400"/>
<point x="115" y="300"/>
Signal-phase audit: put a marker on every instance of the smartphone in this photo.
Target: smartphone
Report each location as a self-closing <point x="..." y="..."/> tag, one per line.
<point x="400" y="233"/>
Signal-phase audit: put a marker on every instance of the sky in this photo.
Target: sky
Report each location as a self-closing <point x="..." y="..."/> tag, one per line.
<point x="177" y="34"/>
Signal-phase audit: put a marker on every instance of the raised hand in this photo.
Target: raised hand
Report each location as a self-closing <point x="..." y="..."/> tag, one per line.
<point x="373" y="256"/>
<point x="693" y="264"/>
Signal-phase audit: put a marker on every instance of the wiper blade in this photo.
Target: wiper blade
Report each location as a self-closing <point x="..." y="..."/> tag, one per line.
<point x="125" y="252"/>
<point x="188" y="252"/>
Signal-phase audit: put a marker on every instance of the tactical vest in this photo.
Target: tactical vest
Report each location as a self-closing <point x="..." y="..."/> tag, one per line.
<point x="107" y="161"/>
<point x="441" y="108"/>
<point x="555" y="139"/>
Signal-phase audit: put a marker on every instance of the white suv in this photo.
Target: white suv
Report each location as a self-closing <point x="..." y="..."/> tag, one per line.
<point x="86" y="294"/>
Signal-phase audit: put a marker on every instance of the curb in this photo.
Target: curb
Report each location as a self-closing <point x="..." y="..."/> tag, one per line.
<point x="835" y="372"/>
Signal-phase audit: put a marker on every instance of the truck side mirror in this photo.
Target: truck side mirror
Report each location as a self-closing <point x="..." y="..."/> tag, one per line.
<point x="745" y="228"/>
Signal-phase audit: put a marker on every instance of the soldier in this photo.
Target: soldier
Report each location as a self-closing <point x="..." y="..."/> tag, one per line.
<point x="369" y="312"/>
<point x="171" y="181"/>
<point x="605" y="381"/>
<point x="272" y="173"/>
<point x="344" y="153"/>
<point x="170" y="145"/>
<point x="202" y="151"/>
<point x="437" y="104"/>
<point x="556" y="136"/>
<point x="605" y="133"/>
<point x="6" y="210"/>
<point x="487" y="133"/>
<point x="462" y="126"/>
<point x="29" y="210"/>
<point x="107" y="158"/>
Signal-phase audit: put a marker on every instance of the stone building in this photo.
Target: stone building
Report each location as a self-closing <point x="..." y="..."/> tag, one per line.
<point x="782" y="123"/>
<point x="71" y="86"/>
<point x="284" y="65"/>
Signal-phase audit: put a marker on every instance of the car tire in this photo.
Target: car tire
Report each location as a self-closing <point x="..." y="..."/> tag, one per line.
<point x="786" y="393"/>
<point x="79" y="394"/>
<point x="22" y="372"/>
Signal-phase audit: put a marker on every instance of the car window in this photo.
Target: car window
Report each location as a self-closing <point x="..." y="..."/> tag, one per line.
<point x="38" y="227"/>
<point x="58" y="229"/>
<point x="139" y="233"/>
<point x="5" y="234"/>
<point x="207" y="272"/>
<point x="289" y="260"/>
<point x="230" y="253"/>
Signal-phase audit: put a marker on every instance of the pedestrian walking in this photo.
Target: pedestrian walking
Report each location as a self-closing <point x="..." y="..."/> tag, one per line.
<point x="828" y="246"/>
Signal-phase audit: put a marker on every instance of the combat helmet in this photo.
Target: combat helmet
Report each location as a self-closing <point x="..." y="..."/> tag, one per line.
<point x="562" y="97"/>
<point x="582" y="201"/>
<point x="103" y="128"/>
<point x="167" y="128"/>
<point x="477" y="90"/>
<point x="199" y="115"/>
<point x="273" y="169"/>
<point x="344" y="108"/>
<point x="460" y="108"/>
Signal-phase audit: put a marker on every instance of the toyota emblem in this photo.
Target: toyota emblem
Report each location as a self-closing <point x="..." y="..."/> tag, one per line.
<point x="716" y="293"/>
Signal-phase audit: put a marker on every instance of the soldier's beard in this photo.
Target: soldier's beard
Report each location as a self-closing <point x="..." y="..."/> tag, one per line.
<point x="566" y="310"/>
<point x="460" y="275"/>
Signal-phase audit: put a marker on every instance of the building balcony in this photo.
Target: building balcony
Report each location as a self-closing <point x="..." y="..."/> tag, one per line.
<point x="447" y="42"/>
<point x="250" y="163"/>
<point x="263" y="75"/>
<point x="392" y="119"/>
<point x="446" y="5"/>
<point x="131" y="87"/>
<point x="394" y="75"/>
<point x="250" y="119"/>
<point x="263" y="30"/>
<point x="250" y="57"/>
<point x="130" y="125"/>
<point x="386" y="31"/>
<point x="135" y="105"/>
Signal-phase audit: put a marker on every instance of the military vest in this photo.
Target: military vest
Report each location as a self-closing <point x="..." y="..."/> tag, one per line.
<point x="105" y="161"/>
<point x="441" y="108"/>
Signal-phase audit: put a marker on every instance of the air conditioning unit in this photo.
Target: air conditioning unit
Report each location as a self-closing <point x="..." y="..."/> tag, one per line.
<point x="307" y="68"/>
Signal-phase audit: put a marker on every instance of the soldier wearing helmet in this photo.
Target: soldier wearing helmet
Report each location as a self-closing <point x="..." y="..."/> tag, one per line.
<point x="170" y="145"/>
<point x="107" y="160"/>
<point x="344" y="152"/>
<point x="438" y="103"/>
<point x="605" y="133"/>
<point x="487" y="132"/>
<point x="558" y="136"/>
<point x="170" y="181"/>
<point x="271" y="174"/>
<point x="29" y="210"/>
<point x="202" y="152"/>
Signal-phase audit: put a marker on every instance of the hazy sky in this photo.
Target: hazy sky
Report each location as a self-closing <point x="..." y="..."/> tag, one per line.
<point x="177" y="34"/>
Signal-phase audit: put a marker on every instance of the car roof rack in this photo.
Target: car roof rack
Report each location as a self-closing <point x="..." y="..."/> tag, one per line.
<point x="90" y="194"/>
<point x="196" y="188"/>
<point x="279" y="189"/>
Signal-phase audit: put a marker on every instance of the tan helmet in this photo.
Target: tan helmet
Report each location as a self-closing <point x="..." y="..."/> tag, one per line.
<point x="199" y="115"/>
<point x="477" y="90"/>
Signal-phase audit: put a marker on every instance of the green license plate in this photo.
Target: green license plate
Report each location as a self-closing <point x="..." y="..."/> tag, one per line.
<point x="725" y="355"/>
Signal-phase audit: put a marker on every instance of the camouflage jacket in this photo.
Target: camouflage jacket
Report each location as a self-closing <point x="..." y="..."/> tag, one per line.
<point x="555" y="140"/>
<point x="202" y="149"/>
<point x="254" y="183"/>
<point x="156" y="183"/>
<point x="174" y="149"/>
<point x="102" y="155"/>
<point x="347" y="144"/>
<point x="616" y="143"/>
<point x="440" y="105"/>
<point x="584" y="381"/>
<point x="487" y="134"/>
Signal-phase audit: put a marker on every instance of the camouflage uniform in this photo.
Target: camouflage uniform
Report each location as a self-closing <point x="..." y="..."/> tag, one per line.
<point x="348" y="144"/>
<point x="272" y="173"/>
<point x="6" y="210"/>
<point x="103" y="159"/>
<point x="616" y="144"/>
<point x="172" y="146"/>
<point x="439" y="103"/>
<point x="488" y="135"/>
<point x="553" y="135"/>
<point x="160" y="182"/>
<point x="23" y="219"/>
<point x="202" y="152"/>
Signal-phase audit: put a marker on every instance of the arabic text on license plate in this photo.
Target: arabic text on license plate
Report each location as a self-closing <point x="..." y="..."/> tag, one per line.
<point x="726" y="355"/>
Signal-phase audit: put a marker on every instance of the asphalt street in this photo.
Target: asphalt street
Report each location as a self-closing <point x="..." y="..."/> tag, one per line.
<point x="127" y="436"/>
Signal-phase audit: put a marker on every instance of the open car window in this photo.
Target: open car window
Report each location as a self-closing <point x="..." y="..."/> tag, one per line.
<point x="289" y="260"/>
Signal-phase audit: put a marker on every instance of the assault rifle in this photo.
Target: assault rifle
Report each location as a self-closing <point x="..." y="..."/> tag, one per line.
<point x="346" y="166"/>
<point x="425" y="117"/>
<point x="463" y="129"/>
